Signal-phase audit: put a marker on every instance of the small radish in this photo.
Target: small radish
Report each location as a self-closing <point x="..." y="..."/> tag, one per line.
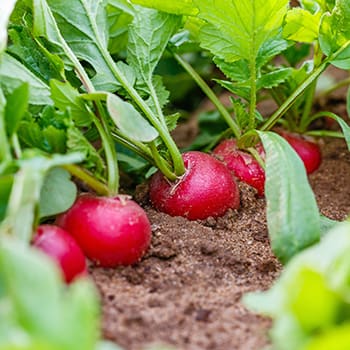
<point x="110" y="231"/>
<point x="206" y="189"/>
<point x="243" y="165"/>
<point x="62" y="248"/>
<point x="308" y="150"/>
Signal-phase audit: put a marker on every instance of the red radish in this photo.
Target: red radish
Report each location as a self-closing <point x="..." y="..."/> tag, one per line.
<point x="206" y="189"/>
<point x="110" y="231"/>
<point x="307" y="149"/>
<point x="62" y="248"/>
<point x="243" y="165"/>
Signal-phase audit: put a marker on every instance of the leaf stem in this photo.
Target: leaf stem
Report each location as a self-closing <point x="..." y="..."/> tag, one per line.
<point x="137" y="147"/>
<point x="301" y="88"/>
<point x="209" y="93"/>
<point x="252" y="100"/>
<point x="99" y="187"/>
<point x="179" y="167"/>
<point x="109" y="149"/>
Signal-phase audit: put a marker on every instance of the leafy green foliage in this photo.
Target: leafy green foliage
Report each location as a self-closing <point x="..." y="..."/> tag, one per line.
<point x="335" y="32"/>
<point x="13" y="74"/>
<point x="57" y="193"/>
<point x="311" y="298"/>
<point x="292" y="213"/>
<point x="301" y="25"/>
<point x="129" y="120"/>
<point x="69" y="319"/>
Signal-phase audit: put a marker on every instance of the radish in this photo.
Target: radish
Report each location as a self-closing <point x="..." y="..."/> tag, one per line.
<point x="110" y="231"/>
<point x="307" y="149"/>
<point x="243" y="165"/>
<point x="206" y="189"/>
<point x="63" y="249"/>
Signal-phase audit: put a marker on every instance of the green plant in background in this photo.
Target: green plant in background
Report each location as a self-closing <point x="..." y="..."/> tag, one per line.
<point x="309" y="303"/>
<point x="244" y="40"/>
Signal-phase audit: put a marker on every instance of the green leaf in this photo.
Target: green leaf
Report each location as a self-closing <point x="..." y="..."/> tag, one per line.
<point x="335" y="32"/>
<point x="77" y="142"/>
<point x="5" y="190"/>
<point x="57" y="194"/>
<point x="120" y="14"/>
<point x="149" y="34"/>
<point x="39" y="321"/>
<point x="292" y="213"/>
<point x="232" y="20"/>
<point x="40" y="61"/>
<point x="81" y="316"/>
<point x="301" y="25"/>
<point x="65" y="96"/>
<point x="311" y="297"/>
<point x="6" y="10"/>
<point x="314" y="6"/>
<point x="70" y="318"/>
<point x="83" y="26"/>
<point x="13" y="74"/>
<point x="16" y="106"/>
<point x="129" y="120"/>
<point x="25" y="192"/>
<point x="345" y="129"/>
<point x="236" y="71"/>
<point x="179" y="7"/>
<point x="274" y="78"/>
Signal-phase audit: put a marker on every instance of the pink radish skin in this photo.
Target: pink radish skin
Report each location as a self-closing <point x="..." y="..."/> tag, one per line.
<point x="206" y="189"/>
<point x="243" y="165"/>
<point x="308" y="150"/>
<point x="110" y="231"/>
<point x="63" y="249"/>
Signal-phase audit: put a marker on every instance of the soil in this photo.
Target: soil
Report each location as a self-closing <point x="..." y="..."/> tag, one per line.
<point x="187" y="290"/>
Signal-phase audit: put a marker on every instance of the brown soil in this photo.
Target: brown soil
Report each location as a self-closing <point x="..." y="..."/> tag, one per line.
<point x="186" y="291"/>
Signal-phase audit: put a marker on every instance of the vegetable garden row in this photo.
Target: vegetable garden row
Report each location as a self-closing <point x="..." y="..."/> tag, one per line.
<point x="84" y="103"/>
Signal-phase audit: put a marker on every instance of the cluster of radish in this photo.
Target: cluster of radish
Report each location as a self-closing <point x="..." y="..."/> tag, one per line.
<point x="112" y="231"/>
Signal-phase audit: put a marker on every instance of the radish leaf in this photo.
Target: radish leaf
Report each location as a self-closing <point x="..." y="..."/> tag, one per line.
<point x="292" y="214"/>
<point x="335" y="33"/>
<point x="13" y="74"/>
<point x="129" y="120"/>
<point x="57" y="194"/>
<point x="301" y="25"/>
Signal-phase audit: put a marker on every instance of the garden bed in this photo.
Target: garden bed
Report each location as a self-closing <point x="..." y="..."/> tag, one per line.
<point x="187" y="289"/>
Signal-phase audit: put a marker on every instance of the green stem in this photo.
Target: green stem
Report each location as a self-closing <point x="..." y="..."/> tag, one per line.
<point x="300" y="89"/>
<point x="252" y="100"/>
<point x="161" y="164"/>
<point x="310" y="93"/>
<point x="90" y="180"/>
<point x="325" y="133"/>
<point x="112" y="165"/>
<point x="109" y="149"/>
<point x="137" y="147"/>
<point x="210" y="94"/>
<point x="257" y="156"/>
<point x="16" y="146"/>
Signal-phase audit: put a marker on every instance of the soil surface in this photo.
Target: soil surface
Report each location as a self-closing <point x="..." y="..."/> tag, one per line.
<point x="186" y="291"/>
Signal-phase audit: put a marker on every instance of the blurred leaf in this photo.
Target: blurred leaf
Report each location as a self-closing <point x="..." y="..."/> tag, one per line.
<point x="57" y="194"/>
<point x="335" y="32"/>
<point x="5" y="190"/>
<point x="311" y="297"/>
<point x="273" y="78"/>
<point x="16" y="106"/>
<point x="301" y="25"/>
<point x="292" y="213"/>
